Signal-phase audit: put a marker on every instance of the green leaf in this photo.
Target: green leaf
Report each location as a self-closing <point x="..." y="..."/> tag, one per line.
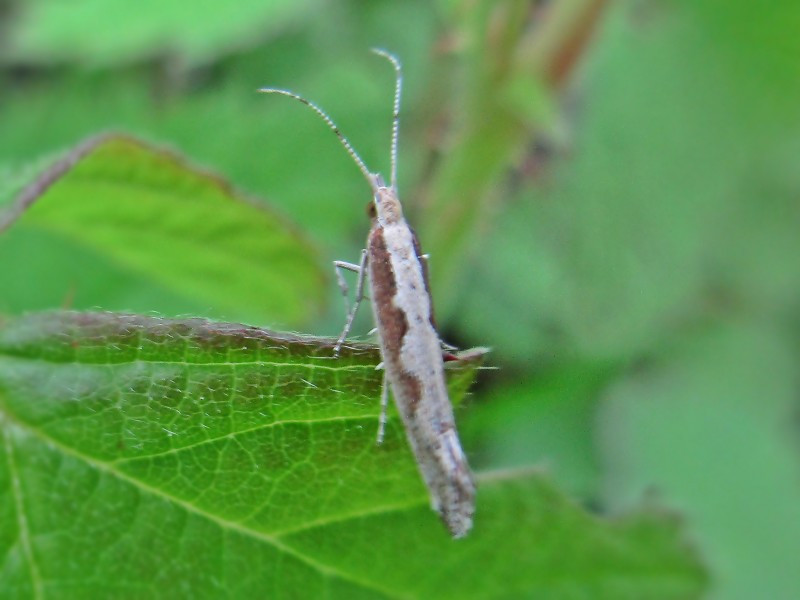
<point x="271" y="146"/>
<point x="149" y="457"/>
<point x="108" y="33"/>
<point x="119" y="224"/>
<point x="659" y="210"/>
<point x="498" y="95"/>
<point x="545" y="420"/>
<point x="710" y="426"/>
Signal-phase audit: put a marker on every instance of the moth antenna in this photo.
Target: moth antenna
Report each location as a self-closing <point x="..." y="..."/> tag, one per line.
<point x="329" y="122"/>
<point x="396" y="116"/>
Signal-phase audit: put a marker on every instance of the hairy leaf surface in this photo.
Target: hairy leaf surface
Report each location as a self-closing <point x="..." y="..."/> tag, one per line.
<point x="147" y="456"/>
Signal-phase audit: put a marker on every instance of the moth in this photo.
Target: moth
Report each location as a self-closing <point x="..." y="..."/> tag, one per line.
<point x="411" y="349"/>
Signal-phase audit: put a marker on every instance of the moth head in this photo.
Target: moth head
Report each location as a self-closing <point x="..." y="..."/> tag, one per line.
<point x="386" y="206"/>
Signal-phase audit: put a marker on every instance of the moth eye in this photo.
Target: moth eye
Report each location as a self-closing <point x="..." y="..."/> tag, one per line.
<point x="371" y="212"/>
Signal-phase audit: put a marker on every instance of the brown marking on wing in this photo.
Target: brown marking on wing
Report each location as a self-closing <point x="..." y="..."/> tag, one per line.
<point x="393" y="324"/>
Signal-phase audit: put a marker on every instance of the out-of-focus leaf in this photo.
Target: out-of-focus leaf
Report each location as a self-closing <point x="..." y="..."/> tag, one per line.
<point x="121" y="225"/>
<point x="517" y="56"/>
<point x="495" y="99"/>
<point x="515" y="291"/>
<point x="271" y="146"/>
<point x="545" y="419"/>
<point x="658" y="212"/>
<point x="108" y="33"/>
<point x="757" y="52"/>
<point x="193" y="458"/>
<point x="707" y="427"/>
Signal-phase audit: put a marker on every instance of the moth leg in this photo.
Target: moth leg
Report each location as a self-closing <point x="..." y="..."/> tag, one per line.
<point x="351" y="310"/>
<point x="337" y="266"/>
<point x="384" y="406"/>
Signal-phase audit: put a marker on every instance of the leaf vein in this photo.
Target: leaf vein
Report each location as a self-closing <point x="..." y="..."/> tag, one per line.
<point x="22" y="521"/>
<point x="275" y="542"/>
<point x="234" y="434"/>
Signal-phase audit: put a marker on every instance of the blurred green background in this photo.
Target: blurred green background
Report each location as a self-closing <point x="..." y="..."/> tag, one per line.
<point x="608" y="191"/>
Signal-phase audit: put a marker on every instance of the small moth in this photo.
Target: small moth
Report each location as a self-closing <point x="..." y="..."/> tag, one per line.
<point x="410" y="346"/>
